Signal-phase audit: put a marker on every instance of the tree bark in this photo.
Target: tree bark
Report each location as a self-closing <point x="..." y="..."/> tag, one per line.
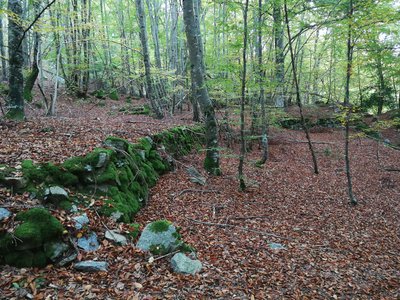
<point x="2" y="50"/>
<point x="242" y="184"/>
<point x="350" y="48"/>
<point x="16" y="80"/>
<point x="193" y="36"/>
<point x="279" y="54"/>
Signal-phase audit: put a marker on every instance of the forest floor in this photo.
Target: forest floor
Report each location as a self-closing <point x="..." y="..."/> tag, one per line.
<point x="331" y="250"/>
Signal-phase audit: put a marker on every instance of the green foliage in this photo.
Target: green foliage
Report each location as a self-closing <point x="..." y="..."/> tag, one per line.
<point x="158" y="249"/>
<point x="134" y="230"/>
<point x="160" y="225"/>
<point x="113" y="95"/>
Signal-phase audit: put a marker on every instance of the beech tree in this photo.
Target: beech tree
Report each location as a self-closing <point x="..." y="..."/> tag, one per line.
<point x="193" y="36"/>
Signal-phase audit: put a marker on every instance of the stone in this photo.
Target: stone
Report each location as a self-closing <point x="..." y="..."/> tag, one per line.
<point x="91" y="266"/>
<point x="117" y="238"/>
<point x="89" y="243"/>
<point x="115" y="216"/>
<point x="55" y="194"/>
<point x="17" y="183"/>
<point x="103" y="159"/>
<point x="4" y="213"/>
<point x="69" y="257"/>
<point x="81" y="221"/>
<point x="276" y="246"/>
<point x="182" y="264"/>
<point x="159" y="234"/>
<point x="195" y="176"/>
<point x="55" y="250"/>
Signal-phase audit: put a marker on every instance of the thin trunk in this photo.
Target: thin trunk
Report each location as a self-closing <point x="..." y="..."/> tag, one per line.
<point x="15" y="101"/>
<point x="193" y="36"/>
<point x="52" y="111"/>
<point x="350" y="48"/>
<point x="32" y="76"/>
<point x="2" y="50"/>
<point x="261" y="74"/>
<point x="146" y="60"/>
<point x="153" y="7"/>
<point x="242" y="184"/>
<point x="279" y="54"/>
<point x="382" y="86"/>
<point x="298" y="98"/>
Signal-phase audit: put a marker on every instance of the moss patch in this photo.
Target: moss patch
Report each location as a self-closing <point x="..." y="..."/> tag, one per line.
<point x="160" y="225"/>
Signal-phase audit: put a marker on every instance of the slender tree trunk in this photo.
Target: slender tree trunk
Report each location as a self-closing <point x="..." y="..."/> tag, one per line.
<point x="193" y="36"/>
<point x="53" y="106"/>
<point x="381" y="80"/>
<point x="242" y="184"/>
<point x="146" y="60"/>
<point x="261" y="74"/>
<point x="2" y="50"/>
<point x="153" y="7"/>
<point x="15" y="101"/>
<point x="32" y="76"/>
<point x="85" y="45"/>
<point x="298" y="97"/>
<point x="350" y="48"/>
<point x="279" y="54"/>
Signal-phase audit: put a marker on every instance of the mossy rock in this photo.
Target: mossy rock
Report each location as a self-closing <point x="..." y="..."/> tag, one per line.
<point x="47" y="173"/>
<point x="26" y="259"/>
<point x="25" y="247"/>
<point x="99" y="94"/>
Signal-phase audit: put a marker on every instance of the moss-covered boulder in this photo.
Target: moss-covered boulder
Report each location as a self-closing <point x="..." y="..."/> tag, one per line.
<point x="25" y="246"/>
<point x="159" y="237"/>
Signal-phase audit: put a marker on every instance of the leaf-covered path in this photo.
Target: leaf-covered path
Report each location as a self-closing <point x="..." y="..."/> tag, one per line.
<point x="332" y="250"/>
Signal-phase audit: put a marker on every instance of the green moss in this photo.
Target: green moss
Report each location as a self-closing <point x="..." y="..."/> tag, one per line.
<point x="23" y="259"/>
<point x="126" y="203"/>
<point x="158" y="249"/>
<point x="134" y="230"/>
<point x="99" y="94"/>
<point x="113" y="95"/>
<point x="42" y="222"/>
<point x="47" y="173"/>
<point x="160" y="225"/>
<point x="65" y="205"/>
<point x="30" y="234"/>
<point x="211" y="167"/>
<point x="109" y="175"/>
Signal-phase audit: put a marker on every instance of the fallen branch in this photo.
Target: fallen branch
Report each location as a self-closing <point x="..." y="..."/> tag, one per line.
<point x="313" y="142"/>
<point x="239" y="227"/>
<point x="247" y="218"/>
<point x="166" y="255"/>
<point x="195" y="191"/>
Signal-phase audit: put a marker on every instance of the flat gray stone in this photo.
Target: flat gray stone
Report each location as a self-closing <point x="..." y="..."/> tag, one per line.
<point x="81" y="221"/>
<point x="55" y="194"/>
<point x="4" y="213"/>
<point x="91" y="266"/>
<point x="182" y="264"/>
<point x="89" y="243"/>
<point x="276" y="246"/>
<point x="166" y="239"/>
<point x="116" y="237"/>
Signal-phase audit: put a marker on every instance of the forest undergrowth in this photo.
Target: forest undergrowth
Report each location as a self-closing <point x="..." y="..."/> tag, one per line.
<point x="331" y="250"/>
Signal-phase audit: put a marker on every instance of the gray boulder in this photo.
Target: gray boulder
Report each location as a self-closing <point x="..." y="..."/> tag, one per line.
<point x="91" y="266"/>
<point x="81" y="221"/>
<point x="159" y="235"/>
<point x="4" y="213"/>
<point x="89" y="243"/>
<point x="276" y="246"/>
<point x="182" y="264"/>
<point x="55" y="194"/>
<point x="115" y="237"/>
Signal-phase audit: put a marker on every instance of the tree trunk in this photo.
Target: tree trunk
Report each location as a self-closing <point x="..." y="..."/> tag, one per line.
<point x="193" y="36"/>
<point x="279" y="54"/>
<point x="32" y="76"/>
<point x="242" y="184"/>
<point x="2" y="50"/>
<point x="298" y="97"/>
<point x="16" y="80"/>
<point x="146" y="60"/>
<point x="261" y="74"/>
<point x="350" y="48"/>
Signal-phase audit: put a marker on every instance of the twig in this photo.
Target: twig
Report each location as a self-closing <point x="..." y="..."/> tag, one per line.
<point x="313" y="142"/>
<point x="195" y="191"/>
<point x="247" y="218"/>
<point x="166" y="255"/>
<point x="239" y="227"/>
